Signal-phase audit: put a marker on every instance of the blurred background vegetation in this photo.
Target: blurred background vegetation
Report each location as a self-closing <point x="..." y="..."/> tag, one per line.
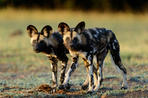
<point x="99" y="5"/>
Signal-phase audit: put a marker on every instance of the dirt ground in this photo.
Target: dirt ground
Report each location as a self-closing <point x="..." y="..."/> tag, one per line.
<point x="45" y="90"/>
<point x="110" y="89"/>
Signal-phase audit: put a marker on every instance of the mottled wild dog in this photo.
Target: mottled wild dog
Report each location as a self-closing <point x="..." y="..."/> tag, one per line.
<point x="51" y="44"/>
<point x="89" y="43"/>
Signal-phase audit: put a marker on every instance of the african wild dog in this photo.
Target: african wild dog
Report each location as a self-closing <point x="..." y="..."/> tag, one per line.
<point x="62" y="28"/>
<point x="89" y="43"/>
<point x="52" y="45"/>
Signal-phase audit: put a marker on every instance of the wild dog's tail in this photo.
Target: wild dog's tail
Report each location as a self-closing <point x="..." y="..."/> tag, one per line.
<point x="115" y="52"/>
<point x="116" y="60"/>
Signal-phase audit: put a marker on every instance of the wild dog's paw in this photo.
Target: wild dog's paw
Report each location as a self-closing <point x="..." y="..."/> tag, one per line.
<point x="53" y="90"/>
<point x="65" y="87"/>
<point x="84" y="87"/>
<point x="61" y="87"/>
<point x="89" y="92"/>
<point x="124" y="87"/>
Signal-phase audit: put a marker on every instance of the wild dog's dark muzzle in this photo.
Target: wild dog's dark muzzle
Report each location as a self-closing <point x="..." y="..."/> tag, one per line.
<point x="39" y="47"/>
<point x="36" y="48"/>
<point x="74" y="43"/>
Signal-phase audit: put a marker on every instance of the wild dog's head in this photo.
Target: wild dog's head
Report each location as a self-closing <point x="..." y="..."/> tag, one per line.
<point x="39" y="40"/>
<point x="73" y="37"/>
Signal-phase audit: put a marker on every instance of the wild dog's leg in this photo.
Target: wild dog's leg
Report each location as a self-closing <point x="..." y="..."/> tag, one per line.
<point x="86" y="83"/>
<point x="54" y="62"/>
<point x="100" y="61"/>
<point x="69" y="72"/>
<point x="95" y="76"/>
<point x="89" y="62"/>
<point x="115" y="56"/>
<point x="63" y="69"/>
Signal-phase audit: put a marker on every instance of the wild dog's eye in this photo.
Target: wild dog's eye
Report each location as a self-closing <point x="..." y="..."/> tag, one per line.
<point x="75" y="40"/>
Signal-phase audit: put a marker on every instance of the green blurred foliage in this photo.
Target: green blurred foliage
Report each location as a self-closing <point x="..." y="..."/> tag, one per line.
<point x="99" y="5"/>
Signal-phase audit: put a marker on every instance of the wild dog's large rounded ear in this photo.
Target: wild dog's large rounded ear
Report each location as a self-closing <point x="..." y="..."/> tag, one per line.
<point x="63" y="27"/>
<point x="31" y="30"/>
<point x="46" y="31"/>
<point x="80" y="27"/>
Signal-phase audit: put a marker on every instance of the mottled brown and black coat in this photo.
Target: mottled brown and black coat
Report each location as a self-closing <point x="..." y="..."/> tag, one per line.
<point x="51" y="44"/>
<point x="90" y="43"/>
